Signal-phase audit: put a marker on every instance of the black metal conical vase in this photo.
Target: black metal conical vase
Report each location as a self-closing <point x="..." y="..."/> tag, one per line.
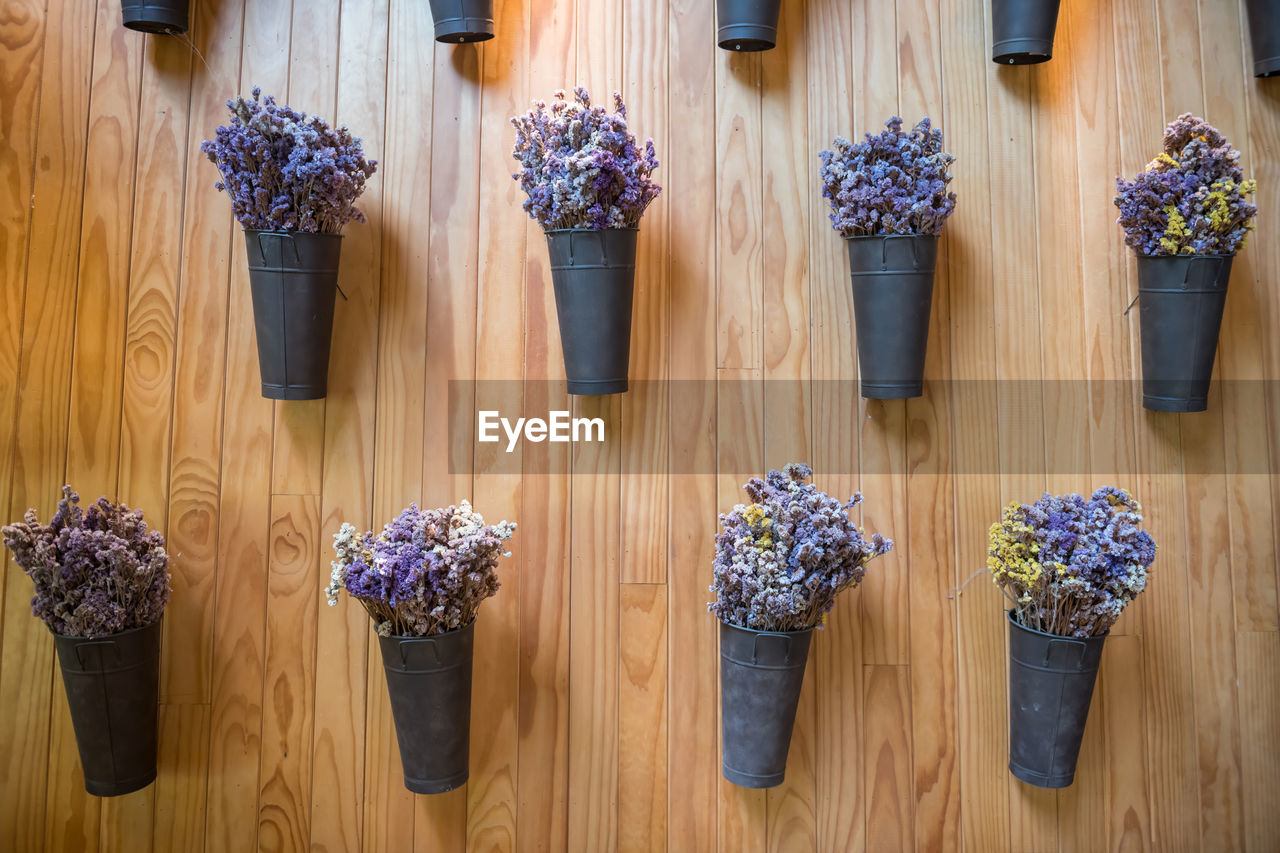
<point x="429" y="681"/>
<point x="593" y="273"/>
<point x="1051" y="681"/>
<point x="1181" y="299"/>
<point x="113" y="690"/>
<point x="294" y="279"/>
<point x="462" y="21"/>
<point x="160" y="17"/>
<point x="761" y="673"/>
<point x="1022" y="31"/>
<point x="892" y="299"/>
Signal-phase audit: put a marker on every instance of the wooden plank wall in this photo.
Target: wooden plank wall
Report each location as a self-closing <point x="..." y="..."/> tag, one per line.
<point x="127" y="367"/>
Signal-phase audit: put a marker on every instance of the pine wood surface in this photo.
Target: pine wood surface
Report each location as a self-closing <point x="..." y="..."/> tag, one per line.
<point x="128" y="367"/>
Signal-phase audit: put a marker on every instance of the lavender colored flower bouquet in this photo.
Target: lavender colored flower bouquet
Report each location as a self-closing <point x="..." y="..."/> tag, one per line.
<point x="1192" y="199"/>
<point x="286" y="170"/>
<point x="581" y="167"/>
<point x="425" y="573"/>
<point x="1069" y="565"/>
<point x="890" y="183"/>
<point x="782" y="559"/>
<point x="97" y="572"/>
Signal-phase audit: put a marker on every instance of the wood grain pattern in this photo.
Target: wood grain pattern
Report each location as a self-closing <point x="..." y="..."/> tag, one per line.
<point x="646" y="409"/>
<point x="594" y="637"/>
<point x="389" y="821"/>
<point x="739" y="234"/>
<point x="882" y="433"/>
<point x="180" y="794"/>
<point x="36" y="742"/>
<point x="786" y="192"/>
<point x="22" y="32"/>
<point x="981" y="689"/>
<point x="195" y="478"/>
<point x="836" y="663"/>
<point x="542" y="788"/>
<point x="491" y="791"/>
<point x="888" y="766"/>
<point x="440" y="823"/>
<point x="1259" y="665"/>
<point x="693" y="757"/>
<point x="342" y="639"/>
<point x="102" y="296"/>
<point x="1128" y="806"/>
<point x="288" y="689"/>
<point x="243" y="564"/>
<point x="642" y="718"/>
<point x="128" y="367"/>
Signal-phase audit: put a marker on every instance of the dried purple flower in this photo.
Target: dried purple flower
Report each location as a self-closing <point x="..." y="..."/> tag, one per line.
<point x="782" y="560"/>
<point x="425" y="573"/>
<point x="1192" y="199"/>
<point x="286" y="170"/>
<point x="581" y="167"/>
<point x="890" y="183"/>
<point x="1070" y="565"/>
<point x="96" y="572"/>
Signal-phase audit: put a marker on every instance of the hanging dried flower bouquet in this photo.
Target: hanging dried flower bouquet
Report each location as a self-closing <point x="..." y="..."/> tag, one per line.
<point x="422" y="580"/>
<point x="889" y="200"/>
<point x="780" y="562"/>
<point x="293" y="182"/>
<point x="1185" y="215"/>
<point x="1069" y="566"/>
<point x="587" y="183"/>
<point x="101" y="586"/>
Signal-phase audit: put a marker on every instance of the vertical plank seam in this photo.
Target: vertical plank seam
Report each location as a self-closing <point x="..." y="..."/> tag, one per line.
<point x="904" y="495"/>
<point x="217" y="533"/>
<point x="26" y="275"/>
<point x="269" y="523"/>
<point x="266" y="643"/>
<point x="567" y="607"/>
<point x="177" y="295"/>
<point x="1195" y="714"/>
<point x="305" y="807"/>
<point x="128" y="275"/>
<point x="1267" y="386"/>
<point x="71" y="355"/>
<point x="140" y="41"/>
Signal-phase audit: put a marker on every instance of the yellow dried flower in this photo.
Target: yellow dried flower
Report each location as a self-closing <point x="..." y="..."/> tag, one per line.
<point x="1174" y="231"/>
